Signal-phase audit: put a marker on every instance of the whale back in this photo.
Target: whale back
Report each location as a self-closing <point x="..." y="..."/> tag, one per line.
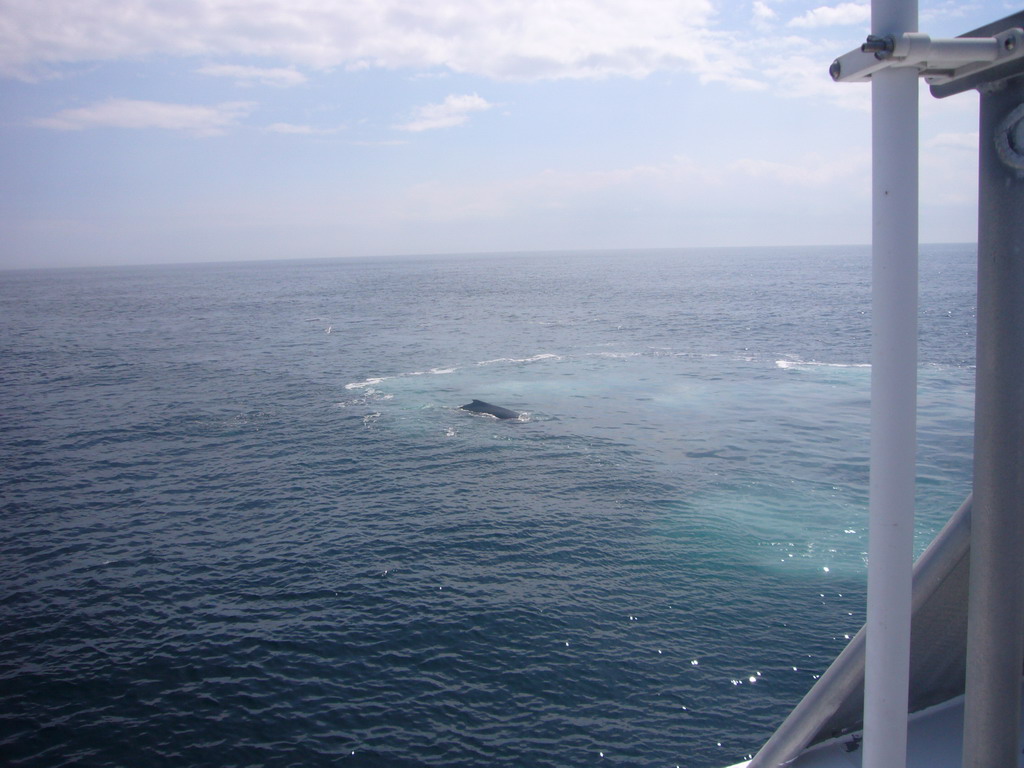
<point x="479" y="406"/>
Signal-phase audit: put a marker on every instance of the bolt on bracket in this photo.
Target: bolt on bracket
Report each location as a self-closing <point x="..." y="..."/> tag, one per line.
<point x="1009" y="139"/>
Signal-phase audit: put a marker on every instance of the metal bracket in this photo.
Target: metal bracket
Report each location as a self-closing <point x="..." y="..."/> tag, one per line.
<point x="939" y="61"/>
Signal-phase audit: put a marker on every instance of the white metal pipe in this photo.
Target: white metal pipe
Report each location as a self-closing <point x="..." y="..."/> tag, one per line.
<point x="963" y="50"/>
<point x="917" y="48"/>
<point x="894" y="94"/>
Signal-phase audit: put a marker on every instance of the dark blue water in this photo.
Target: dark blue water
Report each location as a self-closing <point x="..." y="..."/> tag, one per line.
<point x="245" y="523"/>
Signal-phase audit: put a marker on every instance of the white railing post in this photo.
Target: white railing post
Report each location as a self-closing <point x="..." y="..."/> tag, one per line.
<point x="893" y="396"/>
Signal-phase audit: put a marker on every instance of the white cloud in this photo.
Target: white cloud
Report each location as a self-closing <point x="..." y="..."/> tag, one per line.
<point x="242" y="75"/>
<point x="684" y="200"/>
<point x="948" y="10"/>
<point x="679" y="183"/>
<point x="798" y="69"/>
<point x="127" y="113"/>
<point x="831" y="16"/>
<point x="810" y="171"/>
<point x="521" y="197"/>
<point x="527" y="39"/>
<point x="763" y="12"/>
<point x="383" y="143"/>
<point x="302" y="130"/>
<point x="454" y="110"/>
<point x="954" y="141"/>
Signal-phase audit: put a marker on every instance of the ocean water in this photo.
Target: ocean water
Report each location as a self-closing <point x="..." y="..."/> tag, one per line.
<point x="246" y="524"/>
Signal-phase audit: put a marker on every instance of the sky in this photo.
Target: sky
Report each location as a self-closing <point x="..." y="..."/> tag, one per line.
<point x="158" y="131"/>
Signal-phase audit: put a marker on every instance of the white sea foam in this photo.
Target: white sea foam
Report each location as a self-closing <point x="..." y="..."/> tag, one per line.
<point x="368" y="382"/>
<point x="818" y="364"/>
<point x="368" y="396"/>
<point x="534" y="359"/>
<point x="438" y="371"/>
<point x="373" y="381"/>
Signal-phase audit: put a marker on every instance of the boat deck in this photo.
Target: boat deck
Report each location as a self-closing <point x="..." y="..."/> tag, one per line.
<point x="934" y="738"/>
